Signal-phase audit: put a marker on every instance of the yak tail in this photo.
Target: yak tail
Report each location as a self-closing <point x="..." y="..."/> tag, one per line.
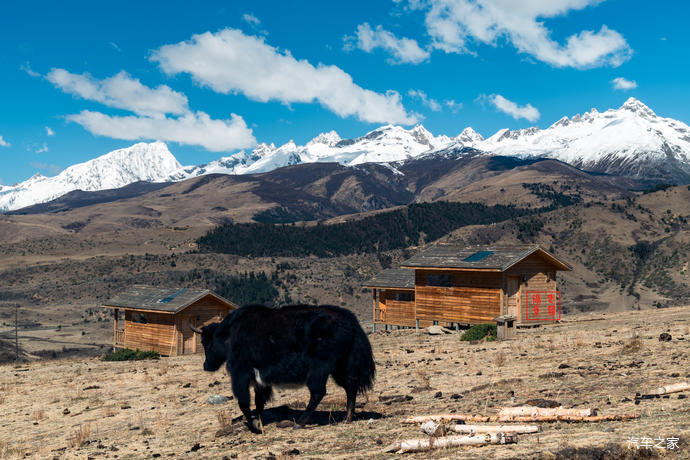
<point x="361" y="369"/>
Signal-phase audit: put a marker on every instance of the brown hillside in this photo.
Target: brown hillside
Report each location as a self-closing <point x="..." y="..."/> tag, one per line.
<point x="79" y="408"/>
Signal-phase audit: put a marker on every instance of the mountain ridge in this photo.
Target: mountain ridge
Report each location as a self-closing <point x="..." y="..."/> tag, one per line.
<point x="630" y="141"/>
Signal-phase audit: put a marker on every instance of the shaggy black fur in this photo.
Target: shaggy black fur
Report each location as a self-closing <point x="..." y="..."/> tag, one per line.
<point x="293" y="344"/>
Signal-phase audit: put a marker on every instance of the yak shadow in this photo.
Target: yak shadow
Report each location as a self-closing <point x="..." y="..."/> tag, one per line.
<point x="282" y="413"/>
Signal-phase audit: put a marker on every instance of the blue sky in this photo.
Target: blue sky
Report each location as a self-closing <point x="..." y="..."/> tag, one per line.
<point x="82" y="78"/>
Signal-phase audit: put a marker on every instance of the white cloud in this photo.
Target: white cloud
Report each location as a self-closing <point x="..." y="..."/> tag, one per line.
<point x="403" y="50"/>
<point x="232" y="62"/>
<point x="251" y="19"/>
<point x="4" y="143"/>
<point x="433" y="104"/>
<point x="26" y="67"/>
<point x="115" y="47"/>
<point x="452" y="24"/>
<point x="623" y="84"/>
<point x="121" y="91"/>
<point x="49" y="131"/>
<point x="43" y="148"/>
<point x="190" y="129"/>
<point x="452" y="105"/>
<point x="528" y="112"/>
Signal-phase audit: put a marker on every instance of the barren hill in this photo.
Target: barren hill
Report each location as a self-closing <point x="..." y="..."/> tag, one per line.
<point x="79" y="408"/>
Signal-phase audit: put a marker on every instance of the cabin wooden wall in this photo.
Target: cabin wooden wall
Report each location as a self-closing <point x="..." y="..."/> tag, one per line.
<point x="540" y="275"/>
<point x="473" y="297"/>
<point x="203" y="312"/>
<point x="157" y="334"/>
<point x="397" y="313"/>
<point x="170" y="334"/>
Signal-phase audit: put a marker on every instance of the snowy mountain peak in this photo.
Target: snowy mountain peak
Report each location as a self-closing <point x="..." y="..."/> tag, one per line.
<point x="637" y="106"/>
<point x="151" y="162"/>
<point x="469" y="137"/>
<point x="330" y="139"/>
<point x="630" y="141"/>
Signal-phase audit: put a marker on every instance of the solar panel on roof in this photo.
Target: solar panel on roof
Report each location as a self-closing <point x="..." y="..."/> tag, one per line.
<point x="171" y="297"/>
<point x="478" y="256"/>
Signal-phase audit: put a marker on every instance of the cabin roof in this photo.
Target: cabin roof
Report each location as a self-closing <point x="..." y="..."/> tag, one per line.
<point x="164" y="300"/>
<point x="392" y="278"/>
<point x="493" y="257"/>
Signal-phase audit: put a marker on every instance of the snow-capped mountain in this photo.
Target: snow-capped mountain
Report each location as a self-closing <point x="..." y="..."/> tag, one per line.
<point x="141" y="162"/>
<point x="630" y="141"/>
<point x="383" y="145"/>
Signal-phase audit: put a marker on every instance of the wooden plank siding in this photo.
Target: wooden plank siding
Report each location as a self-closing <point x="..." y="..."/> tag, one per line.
<point x="473" y="297"/>
<point x="157" y="334"/>
<point x="169" y="334"/>
<point x="202" y="313"/>
<point x="536" y="274"/>
<point x="395" y="312"/>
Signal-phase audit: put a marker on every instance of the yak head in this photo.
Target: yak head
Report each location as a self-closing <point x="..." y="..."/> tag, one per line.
<point x="214" y="346"/>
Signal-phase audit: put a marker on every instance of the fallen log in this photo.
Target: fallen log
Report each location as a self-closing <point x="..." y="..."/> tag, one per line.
<point x="568" y="418"/>
<point x="518" y="419"/>
<point x="673" y="388"/>
<point x="417" y="445"/>
<point x="531" y="411"/>
<point x="447" y="418"/>
<point x="437" y="429"/>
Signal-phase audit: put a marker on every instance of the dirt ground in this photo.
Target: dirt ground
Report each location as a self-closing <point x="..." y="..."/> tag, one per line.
<point x="85" y="408"/>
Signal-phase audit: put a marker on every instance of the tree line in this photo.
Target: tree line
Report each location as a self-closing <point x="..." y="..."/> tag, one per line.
<point x="414" y="224"/>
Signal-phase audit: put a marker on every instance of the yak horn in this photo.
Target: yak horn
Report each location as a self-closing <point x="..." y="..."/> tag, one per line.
<point x="193" y="328"/>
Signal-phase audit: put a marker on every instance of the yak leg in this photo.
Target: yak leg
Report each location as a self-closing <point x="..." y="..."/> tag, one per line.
<point x="240" y="388"/>
<point x="317" y="389"/>
<point x="351" y="397"/>
<point x="261" y="396"/>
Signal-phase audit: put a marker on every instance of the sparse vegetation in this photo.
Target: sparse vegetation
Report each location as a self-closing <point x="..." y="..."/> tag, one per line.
<point x="126" y="354"/>
<point x="479" y="331"/>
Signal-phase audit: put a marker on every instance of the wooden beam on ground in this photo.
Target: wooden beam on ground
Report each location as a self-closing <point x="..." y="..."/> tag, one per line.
<point x="566" y="417"/>
<point x="417" y="445"/>
<point x="673" y="388"/>
<point x="437" y="429"/>
<point x="531" y="411"/>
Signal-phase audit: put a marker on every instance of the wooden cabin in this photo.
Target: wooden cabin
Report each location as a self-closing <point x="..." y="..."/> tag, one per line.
<point x="472" y="285"/>
<point x="393" y="295"/>
<point x="157" y="319"/>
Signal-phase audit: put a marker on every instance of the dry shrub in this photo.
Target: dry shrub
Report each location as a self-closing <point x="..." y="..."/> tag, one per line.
<point x="633" y="345"/>
<point x="224" y="418"/>
<point x="423" y="379"/>
<point x="38" y="415"/>
<point x="579" y="341"/>
<point x="110" y="411"/>
<point x="12" y="451"/>
<point x="79" y="436"/>
<point x="500" y="359"/>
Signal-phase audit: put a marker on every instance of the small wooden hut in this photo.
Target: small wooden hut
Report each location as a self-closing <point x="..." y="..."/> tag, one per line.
<point x="393" y="295"/>
<point x="471" y="285"/>
<point x="157" y="319"/>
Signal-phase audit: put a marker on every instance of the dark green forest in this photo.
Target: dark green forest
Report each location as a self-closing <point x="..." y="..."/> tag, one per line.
<point x="412" y="225"/>
<point x="242" y="289"/>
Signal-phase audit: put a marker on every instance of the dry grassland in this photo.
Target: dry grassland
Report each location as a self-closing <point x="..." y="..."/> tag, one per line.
<point x="85" y="408"/>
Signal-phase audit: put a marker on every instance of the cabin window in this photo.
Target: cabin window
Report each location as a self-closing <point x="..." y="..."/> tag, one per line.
<point x="403" y="296"/>
<point x="440" y="280"/>
<point x="139" y="318"/>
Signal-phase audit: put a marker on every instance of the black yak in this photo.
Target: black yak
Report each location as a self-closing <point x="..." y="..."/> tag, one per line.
<point x="286" y="346"/>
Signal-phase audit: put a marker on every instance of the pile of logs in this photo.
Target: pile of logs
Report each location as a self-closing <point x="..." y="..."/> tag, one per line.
<point x="437" y="426"/>
<point x="525" y="414"/>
